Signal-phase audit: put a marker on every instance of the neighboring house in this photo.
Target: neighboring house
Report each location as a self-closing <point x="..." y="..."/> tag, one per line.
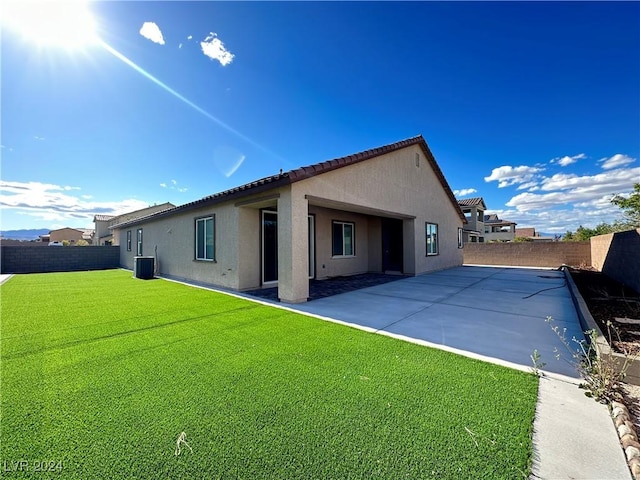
<point x="87" y="234"/>
<point x="531" y="234"/>
<point x="473" y="209"/>
<point x="526" y="232"/>
<point x="71" y="235"/>
<point x="104" y="236"/>
<point x="387" y="209"/>
<point x="499" y="230"/>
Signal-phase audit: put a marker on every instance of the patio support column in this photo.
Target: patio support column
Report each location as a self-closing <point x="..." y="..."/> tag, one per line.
<point x="409" y="246"/>
<point x="293" y="247"/>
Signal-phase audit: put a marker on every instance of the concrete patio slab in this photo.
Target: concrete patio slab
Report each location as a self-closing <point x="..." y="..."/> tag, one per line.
<point x="498" y="314"/>
<point x="505" y="336"/>
<point x="459" y="281"/>
<point x="363" y="308"/>
<point x="526" y="286"/>
<point x="493" y="312"/>
<point x="414" y="291"/>
<point x="514" y="303"/>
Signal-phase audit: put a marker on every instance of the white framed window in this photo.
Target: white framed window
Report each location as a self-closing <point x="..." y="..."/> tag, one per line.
<point x="205" y="239"/>
<point x="139" y="242"/>
<point x="460" y="242"/>
<point x="128" y="240"/>
<point x="431" y="231"/>
<point x="344" y="239"/>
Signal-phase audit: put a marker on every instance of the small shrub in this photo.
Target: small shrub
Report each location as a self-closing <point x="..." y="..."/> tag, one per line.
<point x="538" y="364"/>
<point x="602" y="378"/>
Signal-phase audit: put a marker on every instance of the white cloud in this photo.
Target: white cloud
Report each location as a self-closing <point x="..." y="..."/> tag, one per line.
<point x="51" y="202"/>
<point x="36" y="137"/>
<point x="531" y="186"/>
<point x="567" y="160"/>
<point x="189" y="37"/>
<point x="464" y="192"/>
<point x="603" y="182"/>
<point x="213" y="48"/>
<point x="507" y="175"/>
<point x="558" y="221"/>
<point x="173" y="185"/>
<point x="618" y="160"/>
<point x="564" y="201"/>
<point x="151" y="31"/>
<point x="573" y="189"/>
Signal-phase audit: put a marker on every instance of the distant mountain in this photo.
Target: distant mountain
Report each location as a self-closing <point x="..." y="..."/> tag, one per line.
<point x="26" y="234"/>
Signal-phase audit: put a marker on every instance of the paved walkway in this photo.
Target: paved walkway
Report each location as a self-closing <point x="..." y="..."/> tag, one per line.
<point x="498" y="315"/>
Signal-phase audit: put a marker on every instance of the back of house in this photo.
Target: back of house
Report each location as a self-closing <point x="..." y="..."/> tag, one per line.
<point x="388" y="209"/>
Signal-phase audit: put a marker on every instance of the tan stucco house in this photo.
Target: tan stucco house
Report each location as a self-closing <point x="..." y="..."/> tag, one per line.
<point x="473" y="209"/>
<point x="103" y="235"/>
<point x="71" y="235"/>
<point x="388" y="209"/>
<point x="498" y="230"/>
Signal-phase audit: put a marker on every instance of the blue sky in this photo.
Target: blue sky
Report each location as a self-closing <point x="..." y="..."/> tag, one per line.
<point x="533" y="106"/>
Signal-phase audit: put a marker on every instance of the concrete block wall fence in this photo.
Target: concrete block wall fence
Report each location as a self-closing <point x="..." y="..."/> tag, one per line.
<point x="618" y="256"/>
<point x="529" y="254"/>
<point x="18" y="259"/>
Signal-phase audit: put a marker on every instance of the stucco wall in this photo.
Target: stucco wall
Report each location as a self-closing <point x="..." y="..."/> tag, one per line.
<point x="396" y="186"/>
<point x="101" y="231"/>
<point x="499" y="236"/>
<point x="172" y="241"/>
<point x="528" y="254"/>
<point x="70" y="234"/>
<point x="326" y="265"/>
<point x="618" y="256"/>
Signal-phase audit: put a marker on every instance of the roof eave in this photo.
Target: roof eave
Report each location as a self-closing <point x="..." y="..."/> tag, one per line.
<point x="206" y="201"/>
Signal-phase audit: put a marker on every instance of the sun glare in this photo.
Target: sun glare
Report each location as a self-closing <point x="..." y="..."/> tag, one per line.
<point x="66" y="24"/>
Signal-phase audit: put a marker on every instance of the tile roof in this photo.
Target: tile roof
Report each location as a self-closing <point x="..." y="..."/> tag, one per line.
<point x="493" y="219"/>
<point x="302" y="173"/>
<point x="103" y="218"/>
<point x="137" y="214"/>
<point x="526" y="232"/>
<point x="472" y="202"/>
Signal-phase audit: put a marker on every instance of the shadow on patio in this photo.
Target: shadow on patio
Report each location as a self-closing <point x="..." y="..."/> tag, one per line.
<point x="332" y="286"/>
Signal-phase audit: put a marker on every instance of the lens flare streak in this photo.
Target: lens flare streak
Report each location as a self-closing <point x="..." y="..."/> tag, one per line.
<point x="167" y="88"/>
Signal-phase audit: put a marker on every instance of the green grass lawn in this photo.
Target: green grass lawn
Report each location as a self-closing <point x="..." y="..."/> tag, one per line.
<point x="102" y="372"/>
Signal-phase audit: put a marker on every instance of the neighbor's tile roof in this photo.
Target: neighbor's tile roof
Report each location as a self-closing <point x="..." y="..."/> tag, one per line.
<point x="471" y="202"/>
<point x="292" y="176"/>
<point x="525" y="232"/>
<point x="494" y="220"/>
<point x="103" y="218"/>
